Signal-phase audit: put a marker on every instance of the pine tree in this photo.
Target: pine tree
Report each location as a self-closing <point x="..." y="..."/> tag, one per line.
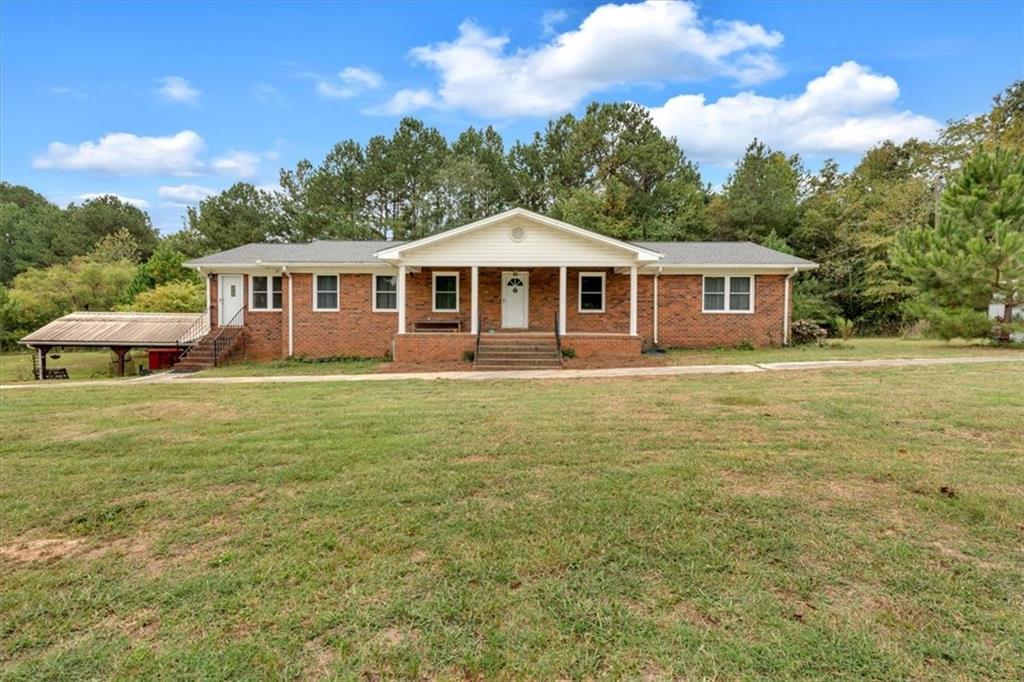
<point x="976" y="253"/>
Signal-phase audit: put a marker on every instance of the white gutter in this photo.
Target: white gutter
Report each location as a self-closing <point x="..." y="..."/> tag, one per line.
<point x="785" y="308"/>
<point x="291" y="308"/>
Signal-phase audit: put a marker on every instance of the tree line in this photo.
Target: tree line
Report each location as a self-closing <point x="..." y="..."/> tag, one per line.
<point x="611" y="170"/>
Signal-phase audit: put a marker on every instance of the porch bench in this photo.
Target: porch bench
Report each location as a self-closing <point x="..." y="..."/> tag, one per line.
<point x="59" y="373"/>
<point x="450" y="326"/>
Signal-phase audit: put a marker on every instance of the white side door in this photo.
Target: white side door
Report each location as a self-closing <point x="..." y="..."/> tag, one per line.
<point x="515" y="300"/>
<point x="230" y="300"/>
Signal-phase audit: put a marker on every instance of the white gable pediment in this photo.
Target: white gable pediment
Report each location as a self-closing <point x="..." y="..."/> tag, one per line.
<point x="521" y="239"/>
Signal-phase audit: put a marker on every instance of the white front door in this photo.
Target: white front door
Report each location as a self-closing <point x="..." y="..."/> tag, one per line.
<point x="515" y="300"/>
<point x="230" y="299"/>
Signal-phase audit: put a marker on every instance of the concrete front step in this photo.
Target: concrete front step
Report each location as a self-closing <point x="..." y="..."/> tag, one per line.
<point x="519" y="351"/>
<point x="518" y="362"/>
<point x="488" y="368"/>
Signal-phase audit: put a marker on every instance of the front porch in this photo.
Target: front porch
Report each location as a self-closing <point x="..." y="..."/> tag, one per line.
<point x="442" y="310"/>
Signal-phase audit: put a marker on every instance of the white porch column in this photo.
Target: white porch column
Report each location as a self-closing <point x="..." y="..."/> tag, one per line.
<point x="401" y="299"/>
<point x="474" y="300"/>
<point x="632" y="301"/>
<point x="561" y="299"/>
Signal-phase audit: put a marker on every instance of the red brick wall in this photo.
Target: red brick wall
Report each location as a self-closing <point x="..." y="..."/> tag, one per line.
<point x="682" y="324"/>
<point x="355" y="330"/>
<point x="419" y="292"/>
<point x="432" y="347"/>
<point x="603" y="346"/>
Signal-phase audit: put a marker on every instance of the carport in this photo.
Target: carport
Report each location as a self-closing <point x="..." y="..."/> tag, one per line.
<point x="118" y="331"/>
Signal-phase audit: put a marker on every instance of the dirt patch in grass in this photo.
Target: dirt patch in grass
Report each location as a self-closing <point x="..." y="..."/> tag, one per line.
<point x="321" y="659"/>
<point x="142" y="625"/>
<point x="396" y="636"/>
<point x="821" y="492"/>
<point x="69" y="432"/>
<point x="475" y="459"/>
<point x="41" y="549"/>
<point x="688" y="612"/>
<point x="175" y="410"/>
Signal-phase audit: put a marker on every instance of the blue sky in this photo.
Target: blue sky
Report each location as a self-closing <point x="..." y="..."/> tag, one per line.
<point x="164" y="103"/>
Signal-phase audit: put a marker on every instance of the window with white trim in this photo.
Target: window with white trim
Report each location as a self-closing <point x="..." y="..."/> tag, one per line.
<point x="325" y="296"/>
<point x="591" y="292"/>
<point x="385" y="292"/>
<point x="446" y="292"/>
<point x="265" y="293"/>
<point x="729" y="294"/>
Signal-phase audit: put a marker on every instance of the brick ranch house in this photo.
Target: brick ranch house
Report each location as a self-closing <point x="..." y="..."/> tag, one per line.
<point x="517" y="283"/>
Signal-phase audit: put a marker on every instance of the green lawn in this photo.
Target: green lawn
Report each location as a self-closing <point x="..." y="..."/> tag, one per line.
<point x="837" y="349"/>
<point x="295" y="366"/>
<point x="81" y="364"/>
<point x="856" y="524"/>
<point x="854" y="349"/>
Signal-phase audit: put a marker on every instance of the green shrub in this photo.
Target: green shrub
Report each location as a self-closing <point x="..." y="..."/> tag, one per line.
<point x="844" y="327"/>
<point x="568" y="352"/>
<point x="807" y="332"/>
<point x="468" y="355"/>
<point x="744" y="345"/>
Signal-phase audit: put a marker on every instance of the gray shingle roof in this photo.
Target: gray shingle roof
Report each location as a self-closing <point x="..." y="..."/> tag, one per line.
<point x="720" y="253"/>
<point x="355" y="252"/>
<point x="362" y="253"/>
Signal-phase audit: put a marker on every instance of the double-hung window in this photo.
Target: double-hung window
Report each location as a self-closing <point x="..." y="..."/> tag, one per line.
<point x="446" y="292"/>
<point x="591" y="292"/>
<point x="266" y="292"/>
<point x="325" y="296"/>
<point x="729" y="294"/>
<point x="385" y="292"/>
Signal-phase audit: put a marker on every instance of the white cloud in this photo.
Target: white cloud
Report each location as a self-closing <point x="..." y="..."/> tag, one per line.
<point x="351" y="82"/>
<point x="360" y="76"/>
<point x="137" y="203"/>
<point x="177" y="89"/>
<point x="265" y="93"/>
<point x="550" y="19"/>
<point x="404" y="101"/>
<point x="240" y="163"/>
<point x="127" y="154"/>
<point x="848" y="110"/>
<point x="184" y="195"/>
<point x="67" y="92"/>
<point x="616" y="44"/>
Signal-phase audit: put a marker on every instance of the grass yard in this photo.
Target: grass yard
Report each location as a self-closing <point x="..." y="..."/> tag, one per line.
<point x="837" y="349"/>
<point x="287" y="366"/>
<point x="16" y="367"/>
<point x="854" y="524"/>
<point x="854" y="349"/>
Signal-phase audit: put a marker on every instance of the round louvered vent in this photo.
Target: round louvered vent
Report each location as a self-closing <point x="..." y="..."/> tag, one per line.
<point x="517" y="234"/>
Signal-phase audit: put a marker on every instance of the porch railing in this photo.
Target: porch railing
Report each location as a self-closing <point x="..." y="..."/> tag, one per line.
<point x="196" y="331"/>
<point x="479" y="331"/>
<point x="227" y="335"/>
<point x="558" y="337"/>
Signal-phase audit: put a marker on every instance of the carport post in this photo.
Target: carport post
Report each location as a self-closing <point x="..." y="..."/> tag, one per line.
<point x="120" y="351"/>
<point x="41" y="351"/>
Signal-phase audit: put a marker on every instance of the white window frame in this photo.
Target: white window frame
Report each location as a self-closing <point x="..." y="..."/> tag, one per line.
<point x="604" y="292"/>
<point x="433" y="291"/>
<point x="316" y="293"/>
<point x="728" y="292"/>
<point x="270" y="293"/>
<point x="373" y="294"/>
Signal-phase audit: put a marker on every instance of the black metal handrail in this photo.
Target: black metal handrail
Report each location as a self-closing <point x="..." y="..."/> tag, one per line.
<point x="198" y="329"/>
<point x="222" y="344"/>
<point x="558" y="337"/>
<point x="479" y="331"/>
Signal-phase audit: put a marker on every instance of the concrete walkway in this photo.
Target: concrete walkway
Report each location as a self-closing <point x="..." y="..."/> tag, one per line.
<point x="617" y="372"/>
